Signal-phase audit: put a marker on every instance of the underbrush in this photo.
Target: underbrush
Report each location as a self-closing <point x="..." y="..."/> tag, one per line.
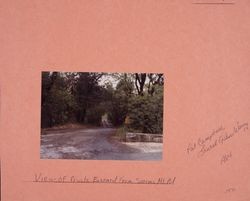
<point x="121" y="133"/>
<point x="66" y="127"/>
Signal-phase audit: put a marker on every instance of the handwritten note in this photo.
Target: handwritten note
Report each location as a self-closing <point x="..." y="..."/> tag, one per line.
<point x="230" y="190"/>
<point x="41" y="178"/>
<point x="225" y="158"/>
<point x="216" y="138"/>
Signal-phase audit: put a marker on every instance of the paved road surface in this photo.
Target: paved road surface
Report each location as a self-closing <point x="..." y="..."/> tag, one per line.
<point x="95" y="144"/>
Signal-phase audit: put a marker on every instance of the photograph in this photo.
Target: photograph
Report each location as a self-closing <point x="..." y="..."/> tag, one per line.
<point x="102" y="116"/>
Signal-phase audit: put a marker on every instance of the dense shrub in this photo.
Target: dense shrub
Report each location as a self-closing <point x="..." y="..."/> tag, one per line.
<point x="94" y="114"/>
<point x="83" y="98"/>
<point x="146" y="112"/>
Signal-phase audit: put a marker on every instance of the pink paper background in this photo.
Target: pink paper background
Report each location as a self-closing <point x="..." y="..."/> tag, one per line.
<point x="203" y="51"/>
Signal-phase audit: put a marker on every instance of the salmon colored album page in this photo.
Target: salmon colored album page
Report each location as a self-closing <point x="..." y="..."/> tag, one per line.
<point x="125" y="100"/>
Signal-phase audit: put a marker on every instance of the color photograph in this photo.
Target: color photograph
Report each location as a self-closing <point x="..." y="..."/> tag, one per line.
<point x="102" y="116"/>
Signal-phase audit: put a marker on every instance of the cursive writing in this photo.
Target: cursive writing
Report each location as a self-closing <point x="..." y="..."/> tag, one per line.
<point x="216" y="138"/>
<point x="230" y="190"/>
<point x="41" y="178"/>
<point x="225" y="158"/>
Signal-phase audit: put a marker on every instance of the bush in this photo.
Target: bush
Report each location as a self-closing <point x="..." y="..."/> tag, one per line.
<point x="118" y="109"/>
<point x="121" y="133"/>
<point x="146" y="112"/>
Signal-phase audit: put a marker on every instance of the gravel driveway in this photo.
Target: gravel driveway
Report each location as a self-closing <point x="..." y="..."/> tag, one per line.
<point x="95" y="144"/>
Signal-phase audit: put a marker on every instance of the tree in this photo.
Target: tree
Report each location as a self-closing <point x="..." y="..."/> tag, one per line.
<point x="58" y="104"/>
<point x="85" y="97"/>
<point x="88" y="93"/>
<point x="140" y="79"/>
<point x="154" y="79"/>
<point x="120" y="98"/>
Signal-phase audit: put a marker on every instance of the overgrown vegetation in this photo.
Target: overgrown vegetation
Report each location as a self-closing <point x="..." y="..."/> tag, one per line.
<point x="86" y="97"/>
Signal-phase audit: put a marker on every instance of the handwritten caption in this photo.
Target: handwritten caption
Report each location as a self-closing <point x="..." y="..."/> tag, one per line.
<point x="41" y="178"/>
<point x="216" y="138"/>
<point x="230" y="190"/>
<point x="225" y="158"/>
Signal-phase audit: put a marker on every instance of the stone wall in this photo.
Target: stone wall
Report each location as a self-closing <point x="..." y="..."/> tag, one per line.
<point x="144" y="137"/>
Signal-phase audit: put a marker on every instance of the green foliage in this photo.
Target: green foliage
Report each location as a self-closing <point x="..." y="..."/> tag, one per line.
<point x="119" y="102"/>
<point x="58" y="105"/>
<point x="146" y="112"/>
<point x="62" y="105"/>
<point x="79" y="97"/>
<point x="94" y="114"/>
<point x="118" y="109"/>
<point x="87" y="92"/>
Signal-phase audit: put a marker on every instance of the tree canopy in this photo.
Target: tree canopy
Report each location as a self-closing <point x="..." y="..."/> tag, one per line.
<point x="86" y="97"/>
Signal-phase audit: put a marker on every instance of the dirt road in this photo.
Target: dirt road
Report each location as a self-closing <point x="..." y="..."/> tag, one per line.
<point x="95" y="144"/>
